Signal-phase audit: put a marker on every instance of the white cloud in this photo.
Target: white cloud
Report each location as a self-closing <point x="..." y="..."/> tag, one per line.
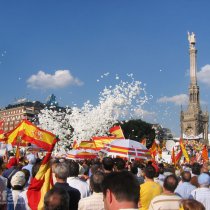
<point x="181" y="99"/>
<point x="144" y="113"/>
<point x="60" y="79"/>
<point x="204" y="75"/>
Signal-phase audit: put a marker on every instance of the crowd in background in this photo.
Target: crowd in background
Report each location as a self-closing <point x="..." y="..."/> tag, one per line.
<point x="108" y="183"/>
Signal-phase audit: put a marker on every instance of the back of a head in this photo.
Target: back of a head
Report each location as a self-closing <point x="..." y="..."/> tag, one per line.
<point x="61" y="171"/>
<point x="119" y="164"/>
<point x="191" y="204"/>
<point x="108" y="163"/>
<point x="134" y="170"/>
<point x="56" y="198"/>
<point x="94" y="168"/>
<point x="31" y="158"/>
<point x="161" y="168"/>
<point x="73" y="169"/>
<point x="170" y="183"/>
<point x="96" y="181"/>
<point x="150" y="171"/>
<point x="123" y="185"/>
<point x="196" y="168"/>
<point x="186" y="176"/>
<point x="204" y="180"/>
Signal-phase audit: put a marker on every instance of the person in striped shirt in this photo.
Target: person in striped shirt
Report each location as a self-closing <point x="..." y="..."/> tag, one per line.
<point x="168" y="199"/>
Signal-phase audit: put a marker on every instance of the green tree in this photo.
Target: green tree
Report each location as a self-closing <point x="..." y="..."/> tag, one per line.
<point x="138" y="130"/>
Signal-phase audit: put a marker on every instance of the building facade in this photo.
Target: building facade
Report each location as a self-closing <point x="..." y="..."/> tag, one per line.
<point x="194" y="122"/>
<point x="12" y="115"/>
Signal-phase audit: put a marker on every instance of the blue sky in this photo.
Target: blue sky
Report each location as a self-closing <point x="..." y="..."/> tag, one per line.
<point x="86" y="38"/>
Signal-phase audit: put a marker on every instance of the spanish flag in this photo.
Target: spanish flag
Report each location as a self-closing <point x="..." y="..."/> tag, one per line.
<point x="153" y="150"/>
<point x="173" y="159"/>
<point x="75" y="145"/>
<point x="184" y="151"/>
<point x="87" y="145"/>
<point x="143" y="141"/>
<point x="3" y="138"/>
<point x="40" y="184"/>
<point x="178" y="157"/>
<point x="205" y="155"/>
<point x="159" y="151"/>
<point x="101" y="141"/>
<point x="1" y="126"/>
<point x="26" y="132"/>
<point x="117" y="132"/>
<point x="17" y="154"/>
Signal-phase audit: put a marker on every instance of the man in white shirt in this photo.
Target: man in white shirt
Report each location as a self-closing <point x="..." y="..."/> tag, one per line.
<point x="185" y="188"/>
<point x="95" y="201"/>
<point x="74" y="181"/>
<point x="202" y="194"/>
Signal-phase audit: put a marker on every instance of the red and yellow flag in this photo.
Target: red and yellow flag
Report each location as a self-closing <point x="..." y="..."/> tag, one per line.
<point x="143" y="141"/>
<point x="26" y="132"/>
<point x="87" y="145"/>
<point x="159" y="151"/>
<point x="3" y="137"/>
<point x="184" y="151"/>
<point x="173" y="160"/>
<point x="101" y="141"/>
<point x="153" y="149"/>
<point x="205" y="155"/>
<point x="1" y="126"/>
<point x="178" y="156"/>
<point x="17" y="154"/>
<point x="117" y="132"/>
<point x="75" y="145"/>
<point x="40" y="184"/>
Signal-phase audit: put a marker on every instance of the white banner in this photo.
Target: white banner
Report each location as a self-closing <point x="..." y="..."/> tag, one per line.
<point x="200" y="136"/>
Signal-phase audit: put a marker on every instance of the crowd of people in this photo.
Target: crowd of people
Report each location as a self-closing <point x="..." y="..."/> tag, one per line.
<point x="106" y="184"/>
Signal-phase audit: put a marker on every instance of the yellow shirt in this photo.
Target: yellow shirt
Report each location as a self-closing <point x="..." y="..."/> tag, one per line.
<point x="148" y="191"/>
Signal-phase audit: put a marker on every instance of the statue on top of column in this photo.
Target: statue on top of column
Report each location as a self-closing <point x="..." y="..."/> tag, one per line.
<point x="191" y="38"/>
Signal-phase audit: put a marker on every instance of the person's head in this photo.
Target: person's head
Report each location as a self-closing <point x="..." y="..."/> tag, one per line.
<point x="186" y="176"/>
<point x="18" y="181"/>
<point x="31" y="159"/>
<point x="108" y="164"/>
<point x="61" y="171"/>
<point x="170" y="183"/>
<point x="191" y="204"/>
<point x="73" y="169"/>
<point x="94" y="168"/>
<point x="56" y="199"/>
<point x="120" y="190"/>
<point x="161" y="168"/>
<point x="134" y="170"/>
<point x="149" y="171"/>
<point x="119" y="164"/>
<point x="196" y="168"/>
<point x="204" y="180"/>
<point x="96" y="181"/>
